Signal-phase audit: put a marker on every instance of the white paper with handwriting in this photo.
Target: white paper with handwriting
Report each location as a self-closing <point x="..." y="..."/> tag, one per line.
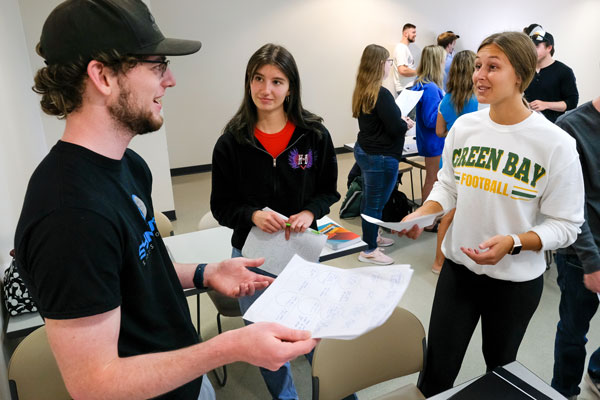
<point x="331" y="302"/>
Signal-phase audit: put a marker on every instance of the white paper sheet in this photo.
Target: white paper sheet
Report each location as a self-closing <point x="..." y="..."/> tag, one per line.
<point x="410" y="143"/>
<point x="407" y="100"/>
<point x="423" y="221"/>
<point x="277" y="251"/>
<point x="331" y="302"/>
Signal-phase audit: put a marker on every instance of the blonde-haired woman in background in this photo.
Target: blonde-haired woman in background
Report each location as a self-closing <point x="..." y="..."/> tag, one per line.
<point x="378" y="148"/>
<point x="430" y="75"/>
<point x="460" y="99"/>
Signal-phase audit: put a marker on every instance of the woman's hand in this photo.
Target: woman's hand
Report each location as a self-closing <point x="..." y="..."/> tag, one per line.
<point x="268" y="221"/>
<point x="299" y="222"/>
<point x="429" y="207"/>
<point x="415" y="231"/>
<point x="409" y="122"/>
<point x="491" y="251"/>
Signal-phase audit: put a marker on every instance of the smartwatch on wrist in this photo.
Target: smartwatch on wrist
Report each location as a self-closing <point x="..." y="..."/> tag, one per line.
<point x="517" y="246"/>
<point x="199" y="277"/>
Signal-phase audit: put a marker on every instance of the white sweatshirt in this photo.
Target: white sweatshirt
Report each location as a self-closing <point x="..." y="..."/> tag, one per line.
<point x="506" y="179"/>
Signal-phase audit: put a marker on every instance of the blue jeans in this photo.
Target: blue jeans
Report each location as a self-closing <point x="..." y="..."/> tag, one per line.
<point x="380" y="177"/>
<point x="279" y="383"/>
<point x="577" y="307"/>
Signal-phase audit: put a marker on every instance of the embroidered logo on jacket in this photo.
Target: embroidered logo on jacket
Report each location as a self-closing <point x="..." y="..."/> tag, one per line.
<point x="298" y="160"/>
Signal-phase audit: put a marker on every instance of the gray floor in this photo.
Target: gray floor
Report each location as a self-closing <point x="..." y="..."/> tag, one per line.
<point x="192" y="193"/>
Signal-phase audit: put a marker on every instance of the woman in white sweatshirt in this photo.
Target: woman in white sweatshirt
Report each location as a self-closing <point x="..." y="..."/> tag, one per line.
<point x="515" y="180"/>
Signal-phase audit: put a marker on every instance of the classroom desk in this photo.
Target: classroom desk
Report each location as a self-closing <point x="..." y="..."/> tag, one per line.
<point x="213" y="245"/>
<point x="518" y="370"/>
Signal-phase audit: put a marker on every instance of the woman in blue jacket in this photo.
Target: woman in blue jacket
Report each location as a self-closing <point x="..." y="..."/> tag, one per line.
<point x="430" y="74"/>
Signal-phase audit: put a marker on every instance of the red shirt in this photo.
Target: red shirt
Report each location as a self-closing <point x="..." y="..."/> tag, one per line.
<point x="275" y="143"/>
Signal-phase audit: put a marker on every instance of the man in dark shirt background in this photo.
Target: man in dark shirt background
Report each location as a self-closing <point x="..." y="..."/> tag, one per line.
<point x="553" y="89"/>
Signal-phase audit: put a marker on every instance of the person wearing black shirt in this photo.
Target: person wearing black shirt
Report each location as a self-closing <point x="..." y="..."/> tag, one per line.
<point x="379" y="145"/>
<point x="87" y="245"/>
<point x="553" y="89"/>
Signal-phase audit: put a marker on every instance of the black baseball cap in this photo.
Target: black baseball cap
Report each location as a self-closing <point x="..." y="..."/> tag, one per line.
<point x="546" y="37"/>
<point x="82" y="28"/>
<point x="539" y="35"/>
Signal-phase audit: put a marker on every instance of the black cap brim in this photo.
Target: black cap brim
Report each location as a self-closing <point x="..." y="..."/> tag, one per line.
<point x="171" y="47"/>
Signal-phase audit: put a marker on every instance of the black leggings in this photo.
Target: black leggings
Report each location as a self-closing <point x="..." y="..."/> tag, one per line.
<point x="461" y="298"/>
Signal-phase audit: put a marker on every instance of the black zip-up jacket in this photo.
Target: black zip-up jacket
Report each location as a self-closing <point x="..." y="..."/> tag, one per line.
<point x="246" y="178"/>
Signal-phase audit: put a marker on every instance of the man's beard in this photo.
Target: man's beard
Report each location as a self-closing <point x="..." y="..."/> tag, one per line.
<point x="132" y="118"/>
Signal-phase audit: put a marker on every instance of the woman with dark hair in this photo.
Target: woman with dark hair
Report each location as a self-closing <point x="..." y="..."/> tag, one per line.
<point x="378" y="148"/>
<point x="273" y="153"/>
<point x="516" y="182"/>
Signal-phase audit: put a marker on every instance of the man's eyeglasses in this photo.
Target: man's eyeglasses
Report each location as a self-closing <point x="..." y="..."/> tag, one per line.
<point x="161" y="66"/>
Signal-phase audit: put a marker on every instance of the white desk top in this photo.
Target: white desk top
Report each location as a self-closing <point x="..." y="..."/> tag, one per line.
<point x="213" y="245"/>
<point x="517" y="369"/>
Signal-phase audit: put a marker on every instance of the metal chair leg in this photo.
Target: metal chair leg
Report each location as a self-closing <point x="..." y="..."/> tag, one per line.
<point x="223" y="381"/>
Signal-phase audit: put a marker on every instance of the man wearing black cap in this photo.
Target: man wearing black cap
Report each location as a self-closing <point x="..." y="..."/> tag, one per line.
<point x="553" y="89"/>
<point x="87" y="243"/>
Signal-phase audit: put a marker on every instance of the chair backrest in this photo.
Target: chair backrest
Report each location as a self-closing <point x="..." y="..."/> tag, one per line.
<point x="164" y="225"/>
<point x="33" y="372"/>
<point x="395" y="349"/>
<point x="207" y="221"/>
<point x="227" y="306"/>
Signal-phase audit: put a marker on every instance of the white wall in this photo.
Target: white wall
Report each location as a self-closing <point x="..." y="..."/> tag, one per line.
<point x="23" y="143"/>
<point x="327" y="38"/>
<point x="153" y="147"/>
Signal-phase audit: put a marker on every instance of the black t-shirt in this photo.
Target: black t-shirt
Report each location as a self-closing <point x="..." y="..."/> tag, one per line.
<point x="556" y="82"/>
<point x="87" y="242"/>
<point x="382" y="131"/>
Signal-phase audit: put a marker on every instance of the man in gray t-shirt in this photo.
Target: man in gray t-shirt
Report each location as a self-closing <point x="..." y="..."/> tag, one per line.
<point x="404" y="62"/>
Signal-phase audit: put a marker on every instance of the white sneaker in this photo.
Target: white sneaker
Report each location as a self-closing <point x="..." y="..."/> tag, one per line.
<point x="375" y="257"/>
<point x="384" y="242"/>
